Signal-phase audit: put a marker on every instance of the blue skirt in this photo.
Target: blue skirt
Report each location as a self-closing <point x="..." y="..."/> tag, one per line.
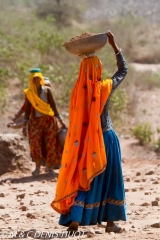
<point x="105" y="201"/>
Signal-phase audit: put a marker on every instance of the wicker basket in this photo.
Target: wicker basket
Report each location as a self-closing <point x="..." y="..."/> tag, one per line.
<point x="86" y="45"/>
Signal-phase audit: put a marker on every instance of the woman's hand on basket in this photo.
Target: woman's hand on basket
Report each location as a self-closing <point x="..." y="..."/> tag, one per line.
<point x="110" y="36"/>
<point x="112" y="42"/>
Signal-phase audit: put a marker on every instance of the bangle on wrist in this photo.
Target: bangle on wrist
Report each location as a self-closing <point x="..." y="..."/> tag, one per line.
<point x="59" y="117"/>
<point x="25" y="120"/>
<point x="118" y="52"/>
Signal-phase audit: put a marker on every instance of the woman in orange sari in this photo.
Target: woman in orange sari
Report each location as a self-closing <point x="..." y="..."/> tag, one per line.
<point x="90" y="185"/>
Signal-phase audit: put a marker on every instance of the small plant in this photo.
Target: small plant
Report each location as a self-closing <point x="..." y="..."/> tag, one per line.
<point x="144" y="111"/>
<point x="3" y="97"/>
<point x="156" y="143"/>
<point x="143" y="133"/>
<point x="158" y="130"/>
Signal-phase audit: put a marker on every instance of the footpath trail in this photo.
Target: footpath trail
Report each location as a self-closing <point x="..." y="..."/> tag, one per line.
<point x="25" y="205"/>
<point x="25" y="201"/>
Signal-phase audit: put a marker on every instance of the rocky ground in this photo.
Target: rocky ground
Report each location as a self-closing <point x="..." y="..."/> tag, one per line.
<point x="25" y="205"/>
<point x="25" y="210"/>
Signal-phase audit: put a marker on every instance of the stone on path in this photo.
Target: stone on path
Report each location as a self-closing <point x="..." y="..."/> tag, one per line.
<point x="12" y="153"/>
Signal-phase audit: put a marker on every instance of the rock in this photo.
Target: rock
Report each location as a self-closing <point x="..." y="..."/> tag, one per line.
<point x="129" y="213"/>
<point x="43" y="181"/>
<point x="132" y="204"/>
<point x="134" y="189"/>
<point x="24" y="208"/>
<point x="5" y="215"/>
<point x="156" y="225"/>
<point x="2" y="195"/>
<point x="30" y="215"/>
<point x="138" y="174"/>
<point x="157" y="198"/>
<point x="8" y="182"/>
<point x="154" y="203"/>
<point x="2" y="207"/>
<point x="143" y="180"/>
<point x="54" y="180"/>
<point x="20" y="196"/>
<point x="145" y="204"/>
<point x="137" y="213"/>
<point x="155" y="182"/>
<point x="150" y="172"/>
<point x="31" y="203"/>
<point x="90" y="233"/>
<point x="126" y="189"/>
<point x="12" y="153"/>
<point x="128" y="179"/>
<point x="147" y="193"/>
<point x="137" y="180"/>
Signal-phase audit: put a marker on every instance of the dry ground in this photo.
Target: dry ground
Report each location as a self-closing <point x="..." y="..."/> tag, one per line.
<point x="141" y="168"/>
<point x="25" y="204"/>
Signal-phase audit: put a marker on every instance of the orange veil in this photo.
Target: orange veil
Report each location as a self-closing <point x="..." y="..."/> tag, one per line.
<point x="84" y="152"/>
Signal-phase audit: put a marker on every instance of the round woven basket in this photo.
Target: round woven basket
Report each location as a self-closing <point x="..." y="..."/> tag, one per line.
<point x="86" y="45"/>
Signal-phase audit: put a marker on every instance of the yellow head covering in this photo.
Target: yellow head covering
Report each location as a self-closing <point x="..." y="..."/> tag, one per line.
<point x="32" y="96"/>
<point x="84" y="153"/>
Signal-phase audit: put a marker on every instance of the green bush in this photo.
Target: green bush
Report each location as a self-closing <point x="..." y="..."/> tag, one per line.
<point x="143" y="133"/>
<point x="156" y="143"/>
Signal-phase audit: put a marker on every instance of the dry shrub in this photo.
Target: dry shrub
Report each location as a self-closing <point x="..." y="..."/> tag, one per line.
<point x="146" y="80"/>
<point x="136" y="81"/>
<point x="61" y="10"/>
<point x="138" y="38"/>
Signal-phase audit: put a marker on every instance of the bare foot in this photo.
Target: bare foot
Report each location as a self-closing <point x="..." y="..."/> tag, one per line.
<point x="73" y="226"/>
<point x="112" y="227"/>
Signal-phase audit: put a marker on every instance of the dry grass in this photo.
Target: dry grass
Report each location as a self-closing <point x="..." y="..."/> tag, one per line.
<point x="139" y="38"/>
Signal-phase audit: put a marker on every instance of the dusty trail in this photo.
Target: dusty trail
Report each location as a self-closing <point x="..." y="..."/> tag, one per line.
<point x="25" y="201"/>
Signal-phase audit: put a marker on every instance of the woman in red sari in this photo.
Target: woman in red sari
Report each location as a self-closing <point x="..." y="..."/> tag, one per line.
<point x="41" y="114"/>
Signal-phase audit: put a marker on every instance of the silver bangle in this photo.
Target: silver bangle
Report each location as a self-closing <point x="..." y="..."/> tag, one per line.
<point x="119" y="50"/>
<point x="25" y="120"/>
<point x="59" y="117"/>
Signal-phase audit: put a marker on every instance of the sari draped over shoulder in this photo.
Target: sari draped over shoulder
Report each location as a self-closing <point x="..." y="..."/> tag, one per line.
<point x="84" y="154"/>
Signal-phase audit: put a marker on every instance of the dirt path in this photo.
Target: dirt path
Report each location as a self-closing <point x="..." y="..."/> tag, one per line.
<point x="25" y="204"/>
<point x="25" y="201"/>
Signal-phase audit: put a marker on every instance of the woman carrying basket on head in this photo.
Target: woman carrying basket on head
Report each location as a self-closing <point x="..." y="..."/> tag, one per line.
<point x="90" y="186"/>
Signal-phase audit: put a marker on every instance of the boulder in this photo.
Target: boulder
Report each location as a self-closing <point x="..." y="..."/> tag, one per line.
<point x="12" y="153"/>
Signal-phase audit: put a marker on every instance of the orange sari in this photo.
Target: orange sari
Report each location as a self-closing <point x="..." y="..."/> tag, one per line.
<point x="84" y="153"/>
